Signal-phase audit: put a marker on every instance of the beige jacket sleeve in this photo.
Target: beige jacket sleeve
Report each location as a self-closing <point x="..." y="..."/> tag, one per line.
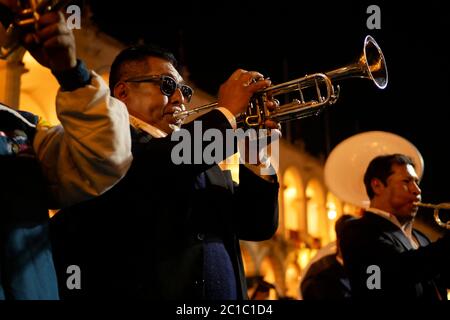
<point x="91" y="150"/>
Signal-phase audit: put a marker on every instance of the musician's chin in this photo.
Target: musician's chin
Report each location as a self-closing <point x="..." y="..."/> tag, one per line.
<point x="414" y="210"/>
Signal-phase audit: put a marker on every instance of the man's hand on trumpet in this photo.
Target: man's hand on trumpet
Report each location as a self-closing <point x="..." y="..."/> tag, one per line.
<point x="236" y="92"/>
<point x="235" y="95"/>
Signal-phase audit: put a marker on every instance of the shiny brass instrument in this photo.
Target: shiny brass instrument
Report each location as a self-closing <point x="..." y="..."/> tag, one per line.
<point x="345" y="166"/>
<point x="314" y="92"/>
<point x="436" y="208"/>
<point x="26" y="16"/>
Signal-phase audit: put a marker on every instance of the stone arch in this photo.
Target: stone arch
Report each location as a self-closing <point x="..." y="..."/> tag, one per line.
<point x="293" y="206"/>
<point x="316" y="216"/>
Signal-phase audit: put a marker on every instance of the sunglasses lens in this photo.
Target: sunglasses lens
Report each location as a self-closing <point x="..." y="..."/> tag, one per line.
<point x="187" y="92"/>
<point x="168" y="86"/>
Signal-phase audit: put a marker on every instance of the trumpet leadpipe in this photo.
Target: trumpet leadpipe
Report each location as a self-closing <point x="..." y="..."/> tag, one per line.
<point x="186" y="113"/>
<point x="444" y="206"/>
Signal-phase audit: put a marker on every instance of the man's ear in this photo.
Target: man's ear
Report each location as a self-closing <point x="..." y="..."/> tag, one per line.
<point x="376" y="185"/>
<point x="121" y="91"/>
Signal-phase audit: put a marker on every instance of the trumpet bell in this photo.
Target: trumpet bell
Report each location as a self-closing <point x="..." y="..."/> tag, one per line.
<point x="375" y="63"/>
<point x="345" y="166"/>
<point x="370" y="65"/>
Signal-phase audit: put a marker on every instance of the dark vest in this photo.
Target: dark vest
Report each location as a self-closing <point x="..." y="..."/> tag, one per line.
<point x="26" y="266"/>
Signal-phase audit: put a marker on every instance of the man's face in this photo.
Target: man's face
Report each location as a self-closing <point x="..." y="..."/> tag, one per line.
<point x="400" y="192"/>
<point x="146" y="101"/>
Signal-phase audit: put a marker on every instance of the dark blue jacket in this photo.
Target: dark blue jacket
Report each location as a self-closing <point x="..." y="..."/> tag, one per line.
<point x="148" y="237"/>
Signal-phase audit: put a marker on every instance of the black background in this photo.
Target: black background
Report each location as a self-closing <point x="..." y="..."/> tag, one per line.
<point x="288" y="39"/>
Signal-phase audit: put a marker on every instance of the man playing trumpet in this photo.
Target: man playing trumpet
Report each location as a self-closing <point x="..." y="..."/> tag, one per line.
<point x="385" y="257"/>
<point x="167" y="230"/>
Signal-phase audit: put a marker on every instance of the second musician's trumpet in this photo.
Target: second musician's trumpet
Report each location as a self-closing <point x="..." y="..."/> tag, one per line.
<point x="437" y="208"/>
<point x="312" y="92"/>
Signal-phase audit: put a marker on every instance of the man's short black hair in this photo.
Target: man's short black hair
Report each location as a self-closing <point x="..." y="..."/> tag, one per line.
<point x="137" y="53"/>
<point x="381" y="168"/>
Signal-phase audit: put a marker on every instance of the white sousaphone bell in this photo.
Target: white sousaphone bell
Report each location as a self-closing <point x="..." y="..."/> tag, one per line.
<point x="347" y="163"/>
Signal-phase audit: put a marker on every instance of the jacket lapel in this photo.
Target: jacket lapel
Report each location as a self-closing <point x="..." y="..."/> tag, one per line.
<point x="421" y="239"/>
<point x="403" y="239"/>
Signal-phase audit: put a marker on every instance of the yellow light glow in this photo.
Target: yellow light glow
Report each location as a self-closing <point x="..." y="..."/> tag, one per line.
<point x="303" y="258"/>
<point x="290" y="193"/>
<point x="293" y="201"/>
<point x="231" y="163"/>
<point x="268" y="275"/>
<point x="332" y="214"/>
<point x="313" y="219"/>
<point x="310" y="192"/>
<point x="51" y="212"/>
<point x="38" y="90"/>
<point x="292" y="281"/>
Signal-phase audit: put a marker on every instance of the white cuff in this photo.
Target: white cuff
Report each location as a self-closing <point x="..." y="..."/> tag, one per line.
<point x="231" y="118"/>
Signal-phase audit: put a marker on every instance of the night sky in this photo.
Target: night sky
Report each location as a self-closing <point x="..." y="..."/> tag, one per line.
<point x="288" y="39"/>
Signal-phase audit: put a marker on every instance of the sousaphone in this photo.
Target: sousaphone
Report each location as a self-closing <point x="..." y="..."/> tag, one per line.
<point x="347" y="163"/>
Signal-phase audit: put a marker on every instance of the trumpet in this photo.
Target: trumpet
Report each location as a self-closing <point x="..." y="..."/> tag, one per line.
<point x="436" y="208"/>
<point x="312" y="92"/>
<point x="27" y="16"/>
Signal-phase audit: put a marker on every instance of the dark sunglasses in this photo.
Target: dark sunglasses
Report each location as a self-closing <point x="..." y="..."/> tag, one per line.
<point x="167" y="84"/>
